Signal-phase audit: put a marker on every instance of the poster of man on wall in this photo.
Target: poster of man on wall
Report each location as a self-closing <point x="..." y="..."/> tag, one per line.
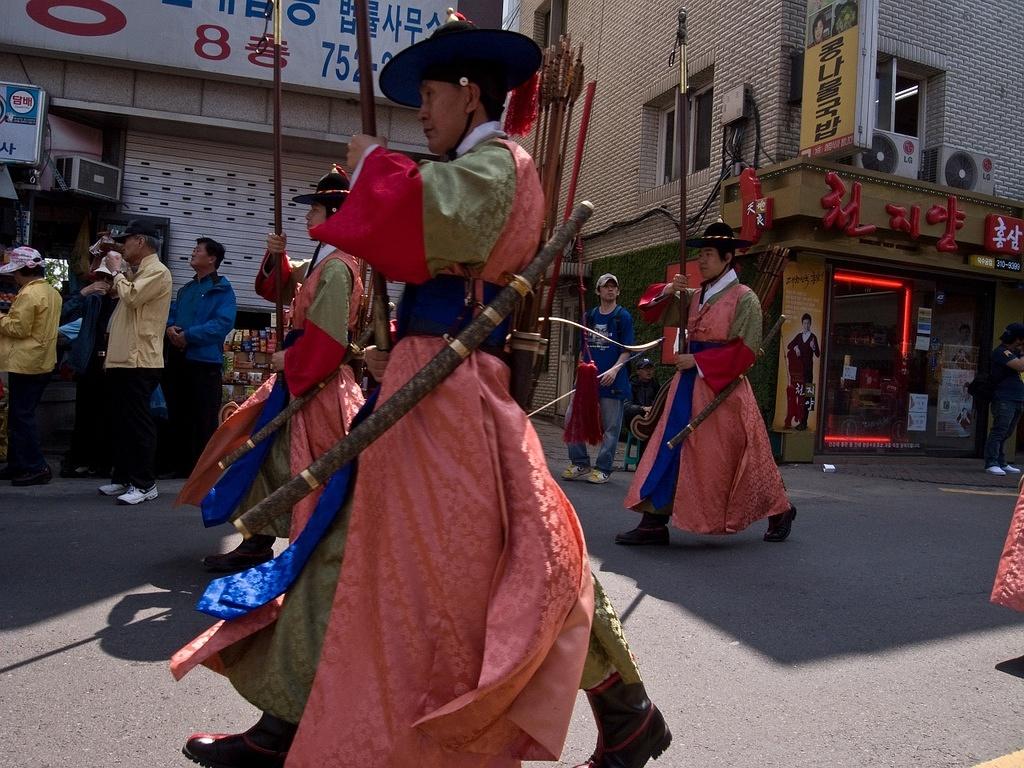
<point x="803" y="302"/>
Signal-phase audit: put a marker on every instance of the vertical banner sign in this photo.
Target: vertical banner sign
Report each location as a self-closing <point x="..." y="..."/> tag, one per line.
<point x="22" y="117"/>
<point x="803" y="304"/>
<point x="839" y="76"/>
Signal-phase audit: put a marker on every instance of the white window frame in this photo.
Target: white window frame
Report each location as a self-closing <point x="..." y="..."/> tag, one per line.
<point x="891" y="69"/>
<point x="662" y="177"/>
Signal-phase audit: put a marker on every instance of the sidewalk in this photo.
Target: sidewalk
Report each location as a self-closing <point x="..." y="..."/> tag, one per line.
<point x="919" y="470"/>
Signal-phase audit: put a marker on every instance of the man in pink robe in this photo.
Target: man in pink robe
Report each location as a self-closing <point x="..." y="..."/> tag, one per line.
<point x="723" y="477"/>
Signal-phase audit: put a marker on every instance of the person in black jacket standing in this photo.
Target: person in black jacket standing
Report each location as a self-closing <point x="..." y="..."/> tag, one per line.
<point x="1007" y="399"/>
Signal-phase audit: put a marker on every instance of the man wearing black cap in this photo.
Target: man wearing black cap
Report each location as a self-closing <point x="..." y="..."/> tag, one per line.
<point x="644" y="392"/>
<point x="1007" y="362"/>
<point x="201" y="317"/>
<point x="135" y="359"/>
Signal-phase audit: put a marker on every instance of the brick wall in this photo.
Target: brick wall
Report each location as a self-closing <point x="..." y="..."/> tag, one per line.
<point x="975" y="89"/>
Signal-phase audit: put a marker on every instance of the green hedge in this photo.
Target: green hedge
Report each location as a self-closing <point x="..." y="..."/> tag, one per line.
<point x="638" y="269"/>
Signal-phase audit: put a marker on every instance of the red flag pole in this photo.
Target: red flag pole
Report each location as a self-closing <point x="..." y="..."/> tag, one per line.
<point x="364" y="55"/>
<point x="278" y="224"/>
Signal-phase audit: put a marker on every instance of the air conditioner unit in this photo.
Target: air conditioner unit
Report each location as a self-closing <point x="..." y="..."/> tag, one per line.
<point x="959" y="168"/>
<point x="88" y="177"/>
<point x="891" y="153"/>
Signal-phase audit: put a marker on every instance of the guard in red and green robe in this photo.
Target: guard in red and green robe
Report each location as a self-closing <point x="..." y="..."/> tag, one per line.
<point x="723" y="477"/>
<point x="323" y="313"/>
<point x="461" y="625"/>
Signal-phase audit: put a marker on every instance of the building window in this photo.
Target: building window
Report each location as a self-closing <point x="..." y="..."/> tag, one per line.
<point x="698" y="138"/>
<point x="550" y="22"/>
<point x="899" y="99"/>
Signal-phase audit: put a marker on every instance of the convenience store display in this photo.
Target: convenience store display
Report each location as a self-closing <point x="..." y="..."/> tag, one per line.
<point x="247" y="355"/>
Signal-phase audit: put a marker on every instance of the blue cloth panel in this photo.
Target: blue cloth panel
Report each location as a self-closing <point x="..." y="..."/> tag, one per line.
<point x="227" y="493"/>
<point x="660" y="486"/>
<point x="233" y="596"/>
<point x="438" y="306"/>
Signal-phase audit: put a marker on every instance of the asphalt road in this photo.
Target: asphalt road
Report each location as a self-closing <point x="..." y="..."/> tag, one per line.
<point x="867" y="639"/>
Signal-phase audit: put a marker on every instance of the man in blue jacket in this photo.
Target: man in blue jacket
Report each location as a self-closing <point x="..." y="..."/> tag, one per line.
<point x="201" y="317"/>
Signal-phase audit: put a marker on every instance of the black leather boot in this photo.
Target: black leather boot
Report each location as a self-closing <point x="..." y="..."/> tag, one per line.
<point x="630" y="729"/>
<point x="252" y="551"/>
<point x="653" y="529"/>
<point x="780" y="526"/>
<point x="265" y="745"/>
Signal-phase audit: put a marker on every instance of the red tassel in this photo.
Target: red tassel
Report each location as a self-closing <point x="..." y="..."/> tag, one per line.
<point x="522" y="107"/>
<point x="584" y="425"/>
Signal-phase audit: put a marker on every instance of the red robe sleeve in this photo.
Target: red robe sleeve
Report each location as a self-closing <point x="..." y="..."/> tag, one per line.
<point x="650" y="308"/>
<point x="721" y="365"/>
<point x="267" y="282"/>
<point x="310" y="360"/>
<point x="381" y="221"/>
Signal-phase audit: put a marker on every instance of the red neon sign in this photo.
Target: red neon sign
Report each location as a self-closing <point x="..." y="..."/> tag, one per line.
<point x="844" y="439"/>
<point x="881" y="282"/>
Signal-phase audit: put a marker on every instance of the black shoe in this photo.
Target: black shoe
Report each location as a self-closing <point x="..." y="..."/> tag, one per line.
<point x="265" y="745"/>
<point x="780" y="526"/>
<point x="39" y="477"/>
<point x="251" y="552"/>
<point x="641" y="536"/>
<point x="630" y="730"/>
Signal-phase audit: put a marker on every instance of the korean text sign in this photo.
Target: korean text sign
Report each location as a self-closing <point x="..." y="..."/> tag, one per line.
<point x="22" y="116"/>
<point x="836" y="87"/>
<point x="223" y="37"/>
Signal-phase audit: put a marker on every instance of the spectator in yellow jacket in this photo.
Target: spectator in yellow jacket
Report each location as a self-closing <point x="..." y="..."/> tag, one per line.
<point x="135" y="359"/>
<point x="28" y="352"/>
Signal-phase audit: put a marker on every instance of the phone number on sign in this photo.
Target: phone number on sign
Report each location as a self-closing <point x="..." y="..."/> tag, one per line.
<point x="342" y="60"/>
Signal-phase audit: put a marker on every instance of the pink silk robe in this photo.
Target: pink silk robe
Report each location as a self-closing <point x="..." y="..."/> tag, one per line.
<point x="1008" y="588"/>
<point x="462" y="616"/>
<point x="727" y="476"/>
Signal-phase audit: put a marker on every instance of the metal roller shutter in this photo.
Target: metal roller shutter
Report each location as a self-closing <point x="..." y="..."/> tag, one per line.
<point x="210" y="189"/>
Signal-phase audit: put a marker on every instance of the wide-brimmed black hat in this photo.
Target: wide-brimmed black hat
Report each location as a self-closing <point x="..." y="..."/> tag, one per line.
<point x="511" y="57"/>
<point x="331" y="190"/>
<point x="137" y="227"/>
<point x="718" y="235"/>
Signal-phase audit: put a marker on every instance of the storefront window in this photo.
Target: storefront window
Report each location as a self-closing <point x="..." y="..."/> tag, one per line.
<point x="901" y="351"/>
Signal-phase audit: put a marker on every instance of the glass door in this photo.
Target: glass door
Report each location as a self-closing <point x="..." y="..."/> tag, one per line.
<point x="901" y="350"/>
<point x="866" y="374"/>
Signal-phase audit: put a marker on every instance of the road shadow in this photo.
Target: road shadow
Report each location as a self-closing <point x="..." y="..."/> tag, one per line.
<point x="871" y="565"/>
<point x="69" y="548"/>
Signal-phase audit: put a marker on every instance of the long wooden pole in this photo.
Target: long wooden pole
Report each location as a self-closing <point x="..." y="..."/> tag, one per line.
<point x="379" y="297"/>
<point x="278" y="218"/>
<point x="682" y="119"/>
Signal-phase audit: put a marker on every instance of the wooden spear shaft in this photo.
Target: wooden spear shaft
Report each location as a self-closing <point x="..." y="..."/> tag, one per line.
<point x="379" y="300"/>
<point x="682" y="120"/>
<point x="278" y="223"/>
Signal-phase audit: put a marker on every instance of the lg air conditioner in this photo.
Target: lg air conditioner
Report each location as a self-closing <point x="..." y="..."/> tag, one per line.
<point x="87" y="177"/>
<point x="891" y="153"/>
<point x="959" y="168"/>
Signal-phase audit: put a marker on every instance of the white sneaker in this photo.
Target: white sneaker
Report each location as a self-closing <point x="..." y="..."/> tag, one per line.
<point x="113" y="489"/>
<point x="575" y="471"/>
<point x="1010" y="469"/>
<point x="597" y="476"/>
<point x="994" y="470"/>
<point x="137" y="495"/>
